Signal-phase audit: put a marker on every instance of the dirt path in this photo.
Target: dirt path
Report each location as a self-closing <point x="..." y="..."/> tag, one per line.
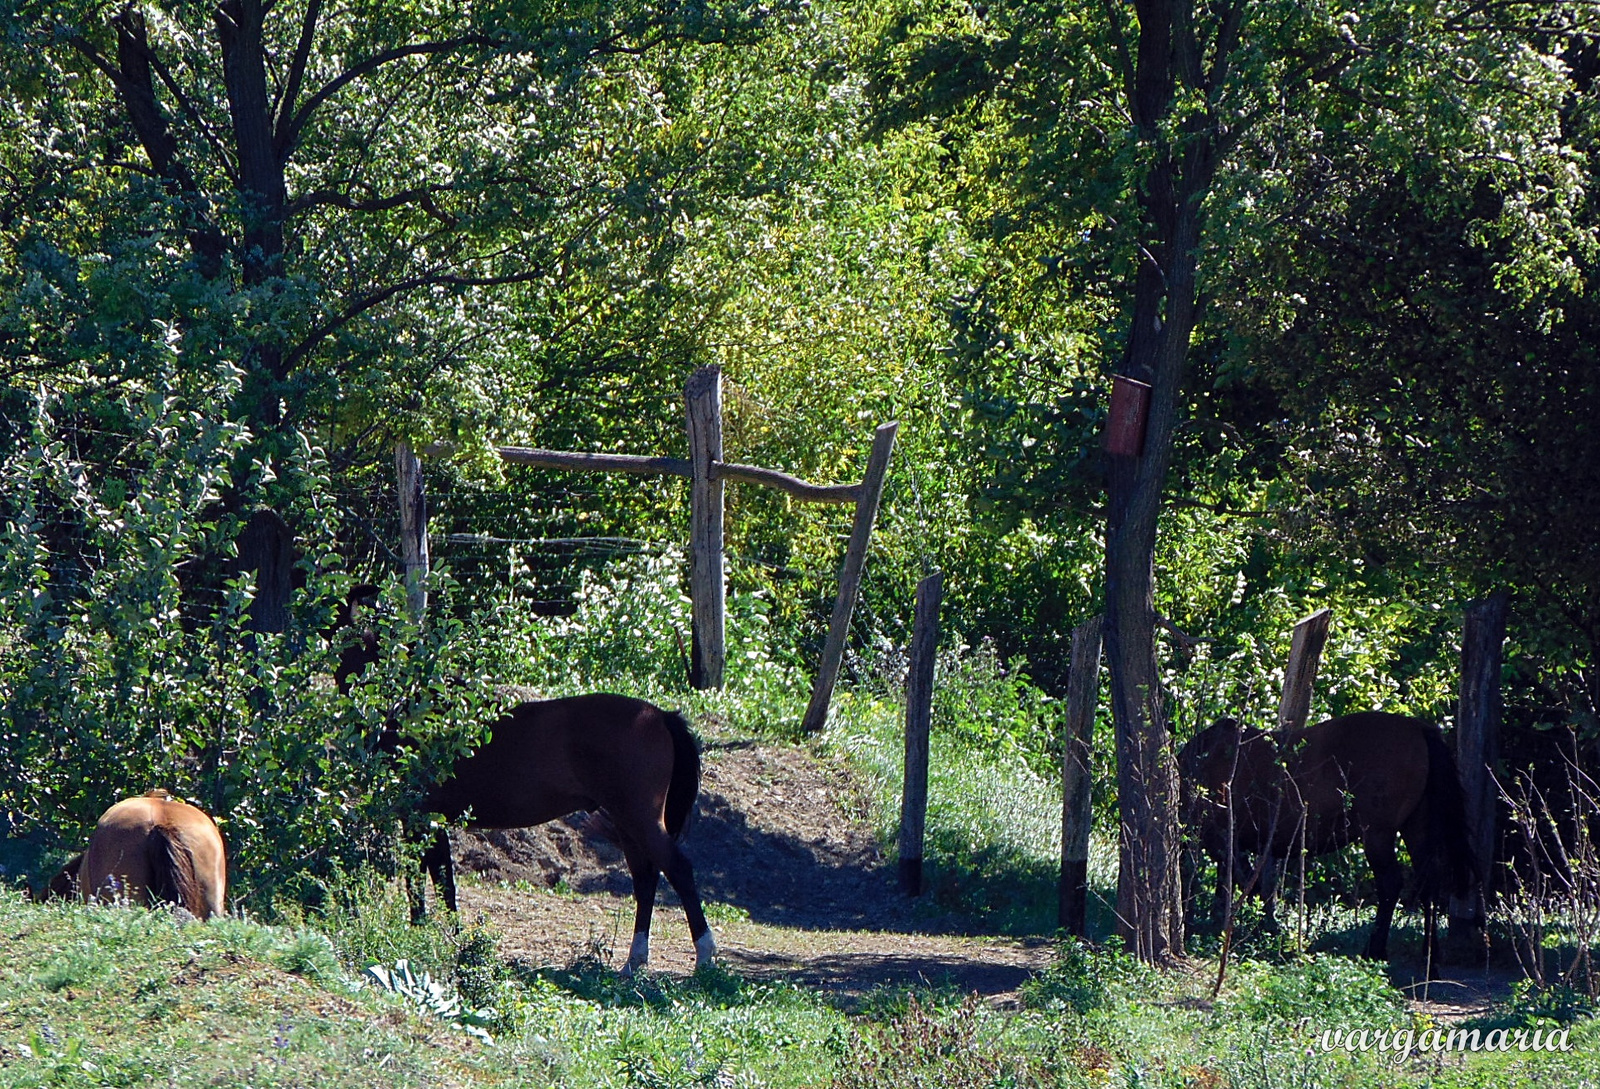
<point x="797" y="886"/>
<point x="1460" y="995"/>
<point x="796" y="889"/>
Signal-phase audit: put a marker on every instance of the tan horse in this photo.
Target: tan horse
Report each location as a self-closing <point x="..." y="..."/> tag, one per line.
<point x="148" y="850"/>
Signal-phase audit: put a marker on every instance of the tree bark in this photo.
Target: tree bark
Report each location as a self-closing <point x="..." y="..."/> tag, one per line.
<point x="266" y="546"/>
<point x="707" y="581"/>
<point x="919" y="717"/>
<point x="1300" y="678"/>
<point x="1077" y="751"/>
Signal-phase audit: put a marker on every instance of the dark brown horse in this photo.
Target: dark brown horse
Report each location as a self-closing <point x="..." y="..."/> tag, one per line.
<point x="149" y="850"/>
<point x="634" y="764"/>
<point x="1360" y="778"/>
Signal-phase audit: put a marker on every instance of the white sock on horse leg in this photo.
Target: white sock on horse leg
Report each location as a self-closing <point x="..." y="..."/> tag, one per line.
<point x="639" y="955"/>
<point x="705" y="947"/>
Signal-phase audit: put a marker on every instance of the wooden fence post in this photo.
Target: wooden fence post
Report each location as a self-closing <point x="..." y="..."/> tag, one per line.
<point x="855" y="559"/>
<point x="707" y="632"/>
<point x="1305" y="656"/>
<point x="1077" y="814"/>
<point x="1477" y="748"/>
<point x="413" y="528"/>
<point x="919" y="716"/>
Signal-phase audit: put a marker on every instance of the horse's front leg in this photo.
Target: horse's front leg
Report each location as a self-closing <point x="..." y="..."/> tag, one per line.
<point x="436" y="863"/>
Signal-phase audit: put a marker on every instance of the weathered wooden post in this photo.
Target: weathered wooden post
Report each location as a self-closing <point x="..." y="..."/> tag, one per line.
<point x="855" y="559"/>
<point x="703" y="395"/>
<point x="919" y="717"/>
<point x="1477" y="736"/>
<point x="413" y="527"/>
<point x="1077" y="813"/>
<point x="1305" y="657"/>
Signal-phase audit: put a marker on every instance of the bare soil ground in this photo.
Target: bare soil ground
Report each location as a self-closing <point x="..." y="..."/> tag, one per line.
<point x="1461" y="994"/>
<point x="783" y="854"/>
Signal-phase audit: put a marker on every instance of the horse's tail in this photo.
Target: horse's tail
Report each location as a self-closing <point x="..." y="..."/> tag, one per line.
<point x="172" y="872"/>
<point x="685" y="786"/>
<point x="1452" y="866"/>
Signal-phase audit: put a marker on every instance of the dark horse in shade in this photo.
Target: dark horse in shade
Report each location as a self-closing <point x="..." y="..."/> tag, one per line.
<point x="1360" y="778"/>
<point x="632" y="765"/>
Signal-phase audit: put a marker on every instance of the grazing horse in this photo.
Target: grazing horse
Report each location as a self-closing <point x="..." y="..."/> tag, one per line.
<point x="1364" y="777"/>
<point x="148" y="850"/>
<point x="634" y="763"/>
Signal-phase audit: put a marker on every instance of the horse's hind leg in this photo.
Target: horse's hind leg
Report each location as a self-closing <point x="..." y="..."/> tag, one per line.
<point x="681" y="876"/>
<point x="646" y="875"/>
<point x="1387" y="874"/>
<point x="667" y="857"/>
<point x="1270" y="874"/>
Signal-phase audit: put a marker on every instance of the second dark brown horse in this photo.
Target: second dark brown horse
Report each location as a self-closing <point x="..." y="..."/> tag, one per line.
<point x="1361" y="778"/>
<point x="636" y="764"/>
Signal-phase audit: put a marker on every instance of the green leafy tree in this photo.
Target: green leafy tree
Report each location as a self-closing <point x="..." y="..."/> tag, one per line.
<point x="1146" y="148"/>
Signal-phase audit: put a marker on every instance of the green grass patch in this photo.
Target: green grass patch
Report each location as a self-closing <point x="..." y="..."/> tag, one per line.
<point x="113" y="996"/>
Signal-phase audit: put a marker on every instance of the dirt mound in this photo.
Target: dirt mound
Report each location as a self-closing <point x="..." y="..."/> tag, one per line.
<point x="776" y="833"/>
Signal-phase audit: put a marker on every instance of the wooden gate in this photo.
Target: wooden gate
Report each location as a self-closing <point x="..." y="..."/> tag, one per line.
<point x="707" y="472"/>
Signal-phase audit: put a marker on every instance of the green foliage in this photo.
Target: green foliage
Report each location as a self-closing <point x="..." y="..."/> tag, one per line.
<point x="1084" y="979"/>
<point x="117" y="675"/>
<point x="367" y="915"/>
<point x="431" y="998"/>
<point x="203" y="1004"/>
<point x="923" y="1047"/>
<point x="994" y="707"/>
<point x="1320" y="989"/>
<point x="1531" y="1006"/>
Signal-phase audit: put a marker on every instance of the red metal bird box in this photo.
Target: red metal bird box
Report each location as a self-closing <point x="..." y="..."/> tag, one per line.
<point x="1130" y="405"/>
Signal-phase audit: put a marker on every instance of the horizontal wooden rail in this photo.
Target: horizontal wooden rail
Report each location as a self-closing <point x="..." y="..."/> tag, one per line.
<point x="616" y="463"/>
<point x="635" y="463"/>
<point x="800" y="489"/>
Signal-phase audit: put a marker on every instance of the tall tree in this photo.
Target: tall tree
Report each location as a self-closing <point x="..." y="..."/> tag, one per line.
<point x="332" y="199"/>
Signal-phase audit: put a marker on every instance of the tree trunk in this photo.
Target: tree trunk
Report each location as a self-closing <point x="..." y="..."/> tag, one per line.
<point x="1077" y="751"/>
<point x="266" y="546"/>
<point x="262" y="190"/>
<point x="1149" y="881"/>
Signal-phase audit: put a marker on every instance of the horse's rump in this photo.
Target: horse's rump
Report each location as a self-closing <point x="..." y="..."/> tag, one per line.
<point x="156" y="848"/>
<point x="1451" y="869"/>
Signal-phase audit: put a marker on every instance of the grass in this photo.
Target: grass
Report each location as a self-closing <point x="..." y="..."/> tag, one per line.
<point x="113" y="996"/>
<point x="993" y="830"/>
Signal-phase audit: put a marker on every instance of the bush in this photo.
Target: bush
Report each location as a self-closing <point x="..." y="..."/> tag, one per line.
<point x="127" y="661"/>
<point x="1084" y="979"/>
<point x="925" y="1047"/>
<point x="1323" y="988"/>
